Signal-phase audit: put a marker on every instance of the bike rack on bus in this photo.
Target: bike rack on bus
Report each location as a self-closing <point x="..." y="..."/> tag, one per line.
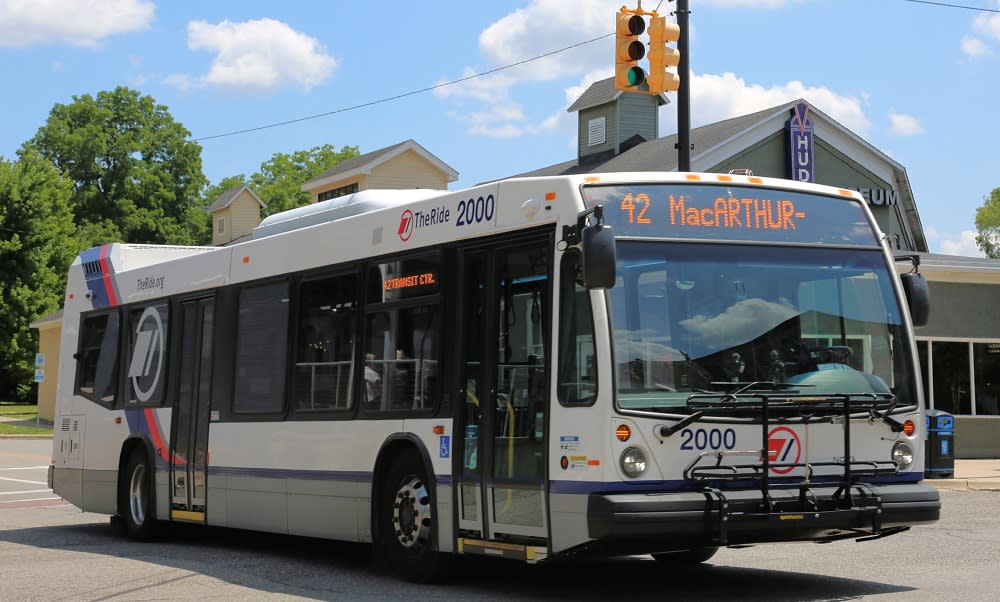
<point x="772" y="408"/>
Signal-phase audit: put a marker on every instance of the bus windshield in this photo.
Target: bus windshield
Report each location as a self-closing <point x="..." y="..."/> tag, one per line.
<point x="694" y="318"/>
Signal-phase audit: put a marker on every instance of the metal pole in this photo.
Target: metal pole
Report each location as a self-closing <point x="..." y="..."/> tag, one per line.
<point x="684" y="92"/>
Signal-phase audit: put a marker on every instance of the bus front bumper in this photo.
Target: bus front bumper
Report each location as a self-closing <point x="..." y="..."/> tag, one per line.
<point x="647" y="522"/>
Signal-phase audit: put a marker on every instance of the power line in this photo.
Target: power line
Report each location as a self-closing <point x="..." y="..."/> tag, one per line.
<point x="403" y="95"/>
<point x="949" y="5"/>
<point x="490" y="72"/>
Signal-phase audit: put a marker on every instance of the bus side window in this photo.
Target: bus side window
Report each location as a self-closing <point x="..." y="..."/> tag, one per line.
<point x="97" y="375"/>
<point x="324" y="356"/>
<point x="261" y="335"/>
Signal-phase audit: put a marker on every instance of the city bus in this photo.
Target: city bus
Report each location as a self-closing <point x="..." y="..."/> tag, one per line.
<point x="530" y="369"/>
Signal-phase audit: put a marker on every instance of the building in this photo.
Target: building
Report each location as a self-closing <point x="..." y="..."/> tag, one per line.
<point x="960" y="346"/>
<point x="47" y="362"/>
<point x="403" y="165"/>
<point x="235" y="214"/>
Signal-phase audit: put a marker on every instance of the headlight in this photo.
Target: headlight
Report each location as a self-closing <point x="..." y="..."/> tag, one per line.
<point x="902" y="453"/>
<point x="633" y="462"/>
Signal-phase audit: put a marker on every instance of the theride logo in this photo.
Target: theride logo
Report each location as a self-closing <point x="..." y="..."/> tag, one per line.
<point x="147" y="354"/>
<point x="783" y="447"/>
<point x="409" y="221"/>
<point x="405" y="226"/>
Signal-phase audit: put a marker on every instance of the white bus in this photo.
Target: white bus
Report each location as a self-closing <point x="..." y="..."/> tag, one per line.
<point x="628" y="363"/>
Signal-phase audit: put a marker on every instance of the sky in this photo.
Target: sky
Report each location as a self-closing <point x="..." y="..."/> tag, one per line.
<point x="920" y="81"/>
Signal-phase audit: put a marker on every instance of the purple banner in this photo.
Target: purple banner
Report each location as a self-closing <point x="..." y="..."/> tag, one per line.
<point x="801" y="158"/>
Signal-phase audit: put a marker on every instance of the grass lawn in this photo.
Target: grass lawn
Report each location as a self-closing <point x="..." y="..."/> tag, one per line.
<point x="20" y="420"/>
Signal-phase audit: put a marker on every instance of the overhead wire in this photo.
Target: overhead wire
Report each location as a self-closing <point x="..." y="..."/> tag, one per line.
<point x="404" y="94"/>
<point x="489" y="72"/>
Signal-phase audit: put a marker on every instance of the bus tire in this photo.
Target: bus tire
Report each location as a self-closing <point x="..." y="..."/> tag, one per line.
<point x="406" y="512"/>
<point x="136" y="498"/>
<point x="683" y="558"/>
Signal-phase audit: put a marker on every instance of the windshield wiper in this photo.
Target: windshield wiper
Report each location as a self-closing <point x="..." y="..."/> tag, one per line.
<point x="666" y="431"/>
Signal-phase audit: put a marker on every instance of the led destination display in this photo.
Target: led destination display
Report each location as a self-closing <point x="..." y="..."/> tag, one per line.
<point x="731" y="213"/>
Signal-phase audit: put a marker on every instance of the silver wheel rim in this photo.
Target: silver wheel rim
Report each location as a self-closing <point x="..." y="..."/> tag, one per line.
<point x="137" y="494"/>
<point x="411" y="513"/>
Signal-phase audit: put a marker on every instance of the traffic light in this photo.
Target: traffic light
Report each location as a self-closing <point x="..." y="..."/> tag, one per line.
<point x="662" y="57"/>
<point x="629" y="51"/>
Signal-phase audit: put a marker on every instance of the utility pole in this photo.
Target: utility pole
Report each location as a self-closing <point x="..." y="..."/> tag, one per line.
<point x="684" y="92"/>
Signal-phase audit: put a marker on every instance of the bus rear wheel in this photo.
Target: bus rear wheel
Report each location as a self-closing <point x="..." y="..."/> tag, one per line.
<point x="135" y="498"/>
<point x="683" y="558"/>
<point x="408" y="521"/>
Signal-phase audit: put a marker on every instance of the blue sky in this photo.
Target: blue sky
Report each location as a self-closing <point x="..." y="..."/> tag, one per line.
<point x="917" y="80"/>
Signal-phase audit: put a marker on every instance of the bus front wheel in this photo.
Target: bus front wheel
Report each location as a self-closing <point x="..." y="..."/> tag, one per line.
<point x="408" y="520"/>
<point x="135" y="501"/>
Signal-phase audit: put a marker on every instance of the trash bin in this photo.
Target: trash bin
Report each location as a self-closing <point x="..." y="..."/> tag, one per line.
<point x="939" y="456"/>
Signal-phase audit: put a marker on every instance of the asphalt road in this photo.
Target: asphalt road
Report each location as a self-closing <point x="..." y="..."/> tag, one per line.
<point x="52" y="551"/>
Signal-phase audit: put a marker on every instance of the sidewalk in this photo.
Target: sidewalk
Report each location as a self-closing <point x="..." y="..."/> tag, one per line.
<point x="971" y="475"/>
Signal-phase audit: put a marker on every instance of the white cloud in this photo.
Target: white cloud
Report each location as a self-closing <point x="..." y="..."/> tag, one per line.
<point x="260" y="55"/>
<point x="75" y="22"/>
<point x="717" y="97"/>
<point x="751" y="3"/>
<point x="546" y="25"/>
<point x="975" y="47"/>
<point x="744" y="320"/>
<point x="965" y="245"/>
<point x="988" y="24"/>
<point x="181" y="80"/>
<point x="904" y="125"/>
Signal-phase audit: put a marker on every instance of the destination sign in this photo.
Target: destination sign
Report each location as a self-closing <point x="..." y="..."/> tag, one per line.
<point x="740" y="213"/>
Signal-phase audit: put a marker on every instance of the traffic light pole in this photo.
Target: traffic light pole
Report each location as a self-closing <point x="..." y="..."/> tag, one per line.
<point x="684" y="92"/>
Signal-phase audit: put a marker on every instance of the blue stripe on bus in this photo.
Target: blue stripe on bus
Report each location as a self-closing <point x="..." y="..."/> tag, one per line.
<point x="98" y="274"/>
<point x="348" y="476"/>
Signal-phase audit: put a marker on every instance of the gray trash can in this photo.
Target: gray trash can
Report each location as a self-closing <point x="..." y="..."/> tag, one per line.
<point x="939" y="455"/>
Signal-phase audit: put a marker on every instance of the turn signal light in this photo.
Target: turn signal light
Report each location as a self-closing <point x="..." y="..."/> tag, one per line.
<point x="623" y="432"/>
<point x="909" y="428"/>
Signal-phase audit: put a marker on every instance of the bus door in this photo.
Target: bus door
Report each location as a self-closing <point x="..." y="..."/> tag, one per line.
<point x="504" y="296"/>
<point x="189" y="444"/>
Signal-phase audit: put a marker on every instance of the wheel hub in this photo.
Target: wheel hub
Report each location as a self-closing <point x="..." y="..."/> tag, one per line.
<point x="411" y="513"/>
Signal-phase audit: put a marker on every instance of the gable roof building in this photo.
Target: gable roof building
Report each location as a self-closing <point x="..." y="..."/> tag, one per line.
<point x="403" y="165"/>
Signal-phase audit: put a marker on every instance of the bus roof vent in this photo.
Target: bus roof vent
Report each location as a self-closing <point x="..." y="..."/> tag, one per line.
<point x="339" y="208"/>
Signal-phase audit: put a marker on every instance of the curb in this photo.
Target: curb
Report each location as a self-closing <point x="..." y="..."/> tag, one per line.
<point x="987" y="484"/>
<point x="25" y="436"/>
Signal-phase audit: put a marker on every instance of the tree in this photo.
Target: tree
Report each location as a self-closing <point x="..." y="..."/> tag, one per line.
<point x="37" y="244"/>
<point x="137" y="177"/>
<point x="279" y="181"/>
<point x="988" y="225"/>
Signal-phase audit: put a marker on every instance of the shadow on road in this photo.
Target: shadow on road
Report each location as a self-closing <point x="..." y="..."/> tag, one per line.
<point x="322" y="569"/>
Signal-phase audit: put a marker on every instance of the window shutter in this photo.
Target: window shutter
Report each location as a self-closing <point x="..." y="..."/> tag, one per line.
<point x="596" y="131"/>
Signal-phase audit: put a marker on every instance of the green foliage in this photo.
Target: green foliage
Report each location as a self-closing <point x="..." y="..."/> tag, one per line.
<point x="37" y="245"/>
<point x="138" y="178"/>
<point x="279" y="181"/>
<point x="988" y="225"/>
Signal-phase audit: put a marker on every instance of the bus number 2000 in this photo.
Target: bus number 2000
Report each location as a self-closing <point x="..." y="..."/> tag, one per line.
<point x="473" y="211"/>
<point x="702" y="439"/>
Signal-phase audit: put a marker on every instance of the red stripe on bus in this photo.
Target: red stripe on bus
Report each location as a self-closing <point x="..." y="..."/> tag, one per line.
<point x="106" y="275"/>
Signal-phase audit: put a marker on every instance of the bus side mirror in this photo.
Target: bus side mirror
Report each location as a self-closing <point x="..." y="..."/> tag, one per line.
<point x="598" y="256"/>
<point x="918" y="297"/>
